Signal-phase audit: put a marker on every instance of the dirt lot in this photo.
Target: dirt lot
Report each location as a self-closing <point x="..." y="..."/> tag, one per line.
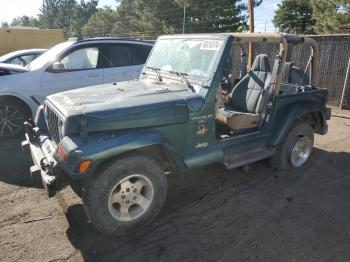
<point x="254" y="215"/>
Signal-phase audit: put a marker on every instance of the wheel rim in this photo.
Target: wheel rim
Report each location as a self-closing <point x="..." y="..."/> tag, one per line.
<point x="11" y="120"/>
<point x="301" y="151"/>
<point x="130" y="198"/>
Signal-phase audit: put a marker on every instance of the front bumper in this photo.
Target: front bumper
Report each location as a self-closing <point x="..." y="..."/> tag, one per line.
<point x="42" y="149"/>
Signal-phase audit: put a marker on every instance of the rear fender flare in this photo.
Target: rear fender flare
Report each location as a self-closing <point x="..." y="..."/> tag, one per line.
<point x="286" y="117"/>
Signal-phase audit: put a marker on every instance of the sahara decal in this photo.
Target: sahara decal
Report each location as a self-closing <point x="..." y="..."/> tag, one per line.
<point x="202" y="130"/>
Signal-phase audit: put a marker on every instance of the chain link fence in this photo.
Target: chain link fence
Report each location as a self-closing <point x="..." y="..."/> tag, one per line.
<point x="334" y="60"/>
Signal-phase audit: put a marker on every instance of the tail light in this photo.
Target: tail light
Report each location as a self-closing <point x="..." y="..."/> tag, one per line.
<point x="62" y="153"/>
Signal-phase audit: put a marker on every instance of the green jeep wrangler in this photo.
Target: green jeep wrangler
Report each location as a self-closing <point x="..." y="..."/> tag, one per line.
<point x="115" y="143"/>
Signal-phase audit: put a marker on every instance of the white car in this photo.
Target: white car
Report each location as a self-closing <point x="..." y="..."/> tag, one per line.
<point x="21" y="57"/>
<point x="68" y="65"/>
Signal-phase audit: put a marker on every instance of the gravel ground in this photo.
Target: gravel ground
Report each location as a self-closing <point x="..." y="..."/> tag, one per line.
<point x="255" y="214"/>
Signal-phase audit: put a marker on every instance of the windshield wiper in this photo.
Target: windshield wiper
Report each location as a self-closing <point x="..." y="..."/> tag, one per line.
<point x="184" y="78"/>
<point x="156" y="70"/>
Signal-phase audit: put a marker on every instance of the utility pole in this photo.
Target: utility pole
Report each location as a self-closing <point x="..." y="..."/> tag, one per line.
<point x="184" y="4"/>
<point x="184" y="20"/>
<point x="251" y="30"/>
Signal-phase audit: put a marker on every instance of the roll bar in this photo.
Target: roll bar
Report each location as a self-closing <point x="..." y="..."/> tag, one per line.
<point x="283" y="39"/>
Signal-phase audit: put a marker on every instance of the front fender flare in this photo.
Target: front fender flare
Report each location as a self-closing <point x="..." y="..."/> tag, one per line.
<point x="101" y="148"/>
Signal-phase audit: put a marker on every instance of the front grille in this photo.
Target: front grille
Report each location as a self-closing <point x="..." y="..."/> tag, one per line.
<point x="52" y="123"/>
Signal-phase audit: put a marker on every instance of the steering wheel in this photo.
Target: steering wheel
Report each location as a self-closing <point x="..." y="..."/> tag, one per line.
<point x="225" y="83"/>
<point x="23" y="62"/>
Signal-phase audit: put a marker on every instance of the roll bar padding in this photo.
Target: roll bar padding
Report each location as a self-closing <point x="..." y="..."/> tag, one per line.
<point x="294" y="39"/>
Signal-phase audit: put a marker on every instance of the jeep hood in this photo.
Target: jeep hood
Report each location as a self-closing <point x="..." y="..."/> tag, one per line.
<point x="125" y="105"/>
<point x="13" y="68"/>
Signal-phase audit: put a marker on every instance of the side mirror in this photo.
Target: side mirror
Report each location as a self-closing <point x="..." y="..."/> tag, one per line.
<point x="57" y="67"/>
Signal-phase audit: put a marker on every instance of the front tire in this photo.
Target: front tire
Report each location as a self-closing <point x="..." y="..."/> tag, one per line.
<point x="296" y="148"/>
<point x="77" y="187"/>
<point x="125" y="195"/>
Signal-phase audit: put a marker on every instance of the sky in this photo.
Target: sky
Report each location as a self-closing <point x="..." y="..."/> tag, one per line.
<point x="13" y="8"/>
<point x="264" y="14"/>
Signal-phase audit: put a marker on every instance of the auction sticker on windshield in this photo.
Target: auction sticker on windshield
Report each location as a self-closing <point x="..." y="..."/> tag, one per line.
<point x="211" y="45"/>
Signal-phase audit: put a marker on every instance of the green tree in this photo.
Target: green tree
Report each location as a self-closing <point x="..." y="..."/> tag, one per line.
<point x="295" y="16"/>
<point x="4" y="24"/>
<point x="208" y="15"/>
<point x="81" y="15"/>
<point x="25" y="21"/>
<point x="217" y="16"/>
<point x="101" y="23"/>
<point x="65" y="14"/>
<point x="328" y="17"/>
<point x="144" y="18"/>
<point x="48" y="14"/>
<point x="187" y="3"/>
<point x="155" y="17"/>
<point x="68" y="15"/>
<point x="140" y="18"/>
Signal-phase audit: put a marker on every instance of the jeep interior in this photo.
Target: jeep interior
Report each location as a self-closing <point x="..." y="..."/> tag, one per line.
<point x="243" y="105"/>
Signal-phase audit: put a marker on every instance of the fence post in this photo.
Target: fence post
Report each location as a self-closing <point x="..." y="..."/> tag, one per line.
<point x="346" y="86"/>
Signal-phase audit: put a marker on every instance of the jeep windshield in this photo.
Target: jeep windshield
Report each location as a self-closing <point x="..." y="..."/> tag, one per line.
<point x="193" y="57"/>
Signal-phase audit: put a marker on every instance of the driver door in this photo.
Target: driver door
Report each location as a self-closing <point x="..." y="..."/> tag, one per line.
<point x="80" y="68"/>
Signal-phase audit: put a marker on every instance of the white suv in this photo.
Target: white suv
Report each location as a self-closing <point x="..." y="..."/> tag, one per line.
<point x="68" y="65"/>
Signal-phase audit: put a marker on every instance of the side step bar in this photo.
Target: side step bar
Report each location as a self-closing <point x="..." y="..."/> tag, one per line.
<point x="241" y="159"/>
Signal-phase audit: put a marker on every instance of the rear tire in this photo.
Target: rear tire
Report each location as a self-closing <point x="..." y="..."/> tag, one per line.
<point x="296" y="148"/>
<point x="125" y="195"/>
<point x="12" y="117"/>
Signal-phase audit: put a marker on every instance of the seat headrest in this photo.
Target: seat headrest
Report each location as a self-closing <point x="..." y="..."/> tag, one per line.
<point x="261" y="63"/>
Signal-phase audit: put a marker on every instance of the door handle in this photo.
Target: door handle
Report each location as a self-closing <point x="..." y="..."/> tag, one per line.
<point x="93" y="75"/>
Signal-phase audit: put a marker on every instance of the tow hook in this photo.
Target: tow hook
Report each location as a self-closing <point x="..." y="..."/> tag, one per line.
<point x="46" y="166"/>
<point x="33" y="132"/>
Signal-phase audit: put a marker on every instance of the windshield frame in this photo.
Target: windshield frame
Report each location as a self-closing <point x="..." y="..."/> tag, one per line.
<point x="50" y="55"/>
<point x="191" y="37"/>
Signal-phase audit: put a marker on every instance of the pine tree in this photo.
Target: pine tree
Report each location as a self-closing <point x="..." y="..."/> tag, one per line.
<point x="101" y="23"/>
<point x="295" y="16"/>
<point x="155" y="17"/>
<point x="217" y="16"/>
<point x="25" y="21"/>
<point x="48" y="14"/>
<point x="139" y="18"/>
<point x="328" y="17"/>
<point x="68" y="15"/>
<point x="81" y="15"/>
